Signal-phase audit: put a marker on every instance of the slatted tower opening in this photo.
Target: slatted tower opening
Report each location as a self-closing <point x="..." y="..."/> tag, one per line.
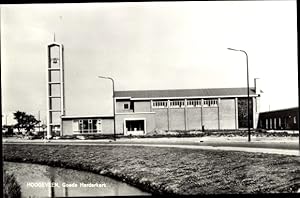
<point x="55" y="89"/>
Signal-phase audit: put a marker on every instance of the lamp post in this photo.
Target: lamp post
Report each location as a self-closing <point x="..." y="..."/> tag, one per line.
<point x="249" y="136"/>
<point x="113" y="87"/>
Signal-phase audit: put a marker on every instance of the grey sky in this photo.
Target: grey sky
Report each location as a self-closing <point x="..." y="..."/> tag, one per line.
<point x="150" y="45"/>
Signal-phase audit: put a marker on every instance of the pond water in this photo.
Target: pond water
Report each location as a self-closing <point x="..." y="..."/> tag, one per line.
<point x="45" y="181"/>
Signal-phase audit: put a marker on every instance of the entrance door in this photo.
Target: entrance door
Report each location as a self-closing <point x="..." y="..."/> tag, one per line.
<point x="135" y="127"/>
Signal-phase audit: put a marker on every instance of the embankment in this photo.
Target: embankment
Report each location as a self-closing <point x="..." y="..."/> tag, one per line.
<point x="171" y="170"/>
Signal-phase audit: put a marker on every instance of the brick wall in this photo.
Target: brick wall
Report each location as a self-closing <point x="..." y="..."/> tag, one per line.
<point x="108" y="126"/>
<point x="177" y="120"/>
<point x="120" y="106"/>
<point x="210" y="117"/>
<point x="67" y="127"/>
<point x="227" y="114"/>
<point x="194" y="118"/>
<point x="161" y="118"/>
<point x="141" y="106"/>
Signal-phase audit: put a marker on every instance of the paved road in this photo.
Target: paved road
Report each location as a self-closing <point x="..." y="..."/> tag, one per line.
<point x="273" y="148"/>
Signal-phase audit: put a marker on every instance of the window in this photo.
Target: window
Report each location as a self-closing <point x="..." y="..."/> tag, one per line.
<point x="126" y="106"/>
<point x="267" y="126"/>
<point x="193" y="103"/>
<point x="270" y="123"/>
<point x="160" y="104"/>
<point x="274" y="123"/>
<point x="205" y="103"/>
<point x="279" y="122"/>
<point x="295" y="120"/>
<point x="210" y="103"/>
<point x="87" y="126"/>
<point x="177" y="103"/>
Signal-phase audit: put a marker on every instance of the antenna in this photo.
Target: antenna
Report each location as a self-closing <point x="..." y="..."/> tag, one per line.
<point x="60" y="18"/>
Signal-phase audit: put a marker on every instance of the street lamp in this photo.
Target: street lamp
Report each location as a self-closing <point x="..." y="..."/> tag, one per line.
<point x="249" y="137"/>
<point x="113" y="87"/>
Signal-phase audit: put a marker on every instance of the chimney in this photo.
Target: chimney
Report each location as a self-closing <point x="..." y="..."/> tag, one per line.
<point x="257" y="85"/>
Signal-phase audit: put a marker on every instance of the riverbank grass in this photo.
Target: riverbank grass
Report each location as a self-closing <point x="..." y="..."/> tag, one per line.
<point x="171" y="170"/>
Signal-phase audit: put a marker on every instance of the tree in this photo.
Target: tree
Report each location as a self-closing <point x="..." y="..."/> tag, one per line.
<point x="25" y="121"/>
<point x="20" y="118"/>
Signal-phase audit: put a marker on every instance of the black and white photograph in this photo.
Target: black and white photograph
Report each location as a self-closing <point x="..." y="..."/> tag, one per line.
<point x="177" y="98"/>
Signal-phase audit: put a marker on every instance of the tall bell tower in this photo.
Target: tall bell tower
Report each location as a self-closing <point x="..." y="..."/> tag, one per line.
<point x="55" y="89"/>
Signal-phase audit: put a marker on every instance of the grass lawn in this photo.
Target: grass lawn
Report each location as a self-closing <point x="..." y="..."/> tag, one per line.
<point x="171" y="170"/>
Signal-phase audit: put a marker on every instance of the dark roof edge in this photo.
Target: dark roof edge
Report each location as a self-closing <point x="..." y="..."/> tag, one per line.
<point x="251" y="88"/>
<point x="291" y="108"/>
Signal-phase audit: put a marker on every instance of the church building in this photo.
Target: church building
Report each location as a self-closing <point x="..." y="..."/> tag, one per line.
<point x="138" y="112"/>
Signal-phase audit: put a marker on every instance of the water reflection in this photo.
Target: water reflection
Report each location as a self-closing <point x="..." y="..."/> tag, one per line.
<point x="45" y="181"/>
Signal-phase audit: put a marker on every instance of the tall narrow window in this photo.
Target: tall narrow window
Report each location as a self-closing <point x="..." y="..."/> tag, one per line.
<point x="99" y="126"/>
<point x="85" y="124"/>
<point x="90" y="126"/>
<point x="75" y="126"/>
<point x="80" y="126"/>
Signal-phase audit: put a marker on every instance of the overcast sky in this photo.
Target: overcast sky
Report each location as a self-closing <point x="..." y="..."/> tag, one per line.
<point x="148" y="45"/>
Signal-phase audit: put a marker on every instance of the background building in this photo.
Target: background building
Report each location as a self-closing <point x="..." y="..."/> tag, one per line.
<point x="283" y="119"/>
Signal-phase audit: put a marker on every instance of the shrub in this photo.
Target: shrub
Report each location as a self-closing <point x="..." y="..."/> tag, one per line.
<point x="11" y="188"/>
